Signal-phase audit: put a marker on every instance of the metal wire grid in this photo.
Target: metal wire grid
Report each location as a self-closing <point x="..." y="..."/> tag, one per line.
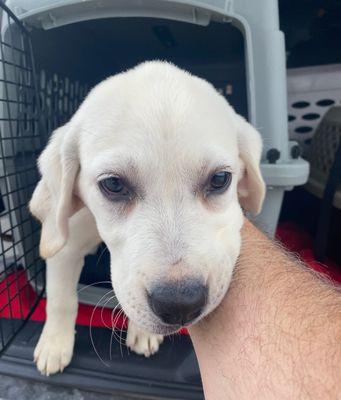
<point x="19" y="144"/>
<point x="31" y="107"/>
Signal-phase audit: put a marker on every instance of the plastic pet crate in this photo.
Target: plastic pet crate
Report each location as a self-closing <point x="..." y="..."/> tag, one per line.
<point x="324" y="181"/>
<point x="311" y="93"/>
<point x="322" y="153"/>
<point x="52" y="52"/>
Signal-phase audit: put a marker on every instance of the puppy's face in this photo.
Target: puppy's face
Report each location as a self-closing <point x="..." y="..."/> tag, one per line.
<point x="162" y="171"/>
<point x="162" y="186"/>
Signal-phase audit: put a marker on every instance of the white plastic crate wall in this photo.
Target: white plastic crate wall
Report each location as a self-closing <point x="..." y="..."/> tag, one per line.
<point x="311" y="92"/>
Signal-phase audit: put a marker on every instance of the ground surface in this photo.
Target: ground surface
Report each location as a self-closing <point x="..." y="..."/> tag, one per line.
<point x="23" y="389"/>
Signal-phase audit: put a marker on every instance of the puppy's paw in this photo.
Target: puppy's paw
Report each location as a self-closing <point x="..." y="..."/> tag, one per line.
<point x="141" y="341"/>
<point x="53" y="351"/>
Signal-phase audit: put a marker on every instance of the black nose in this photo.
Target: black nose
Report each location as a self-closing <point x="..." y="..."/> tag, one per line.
<point x="177" y="303"/>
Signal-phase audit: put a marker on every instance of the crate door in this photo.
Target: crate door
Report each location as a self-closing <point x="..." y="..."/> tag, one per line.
<point x="22" y="275"/>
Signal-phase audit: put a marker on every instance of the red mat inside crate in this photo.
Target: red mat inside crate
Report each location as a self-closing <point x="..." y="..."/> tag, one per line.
<point x="21" y="304"/>
<point x="292" y="236"/>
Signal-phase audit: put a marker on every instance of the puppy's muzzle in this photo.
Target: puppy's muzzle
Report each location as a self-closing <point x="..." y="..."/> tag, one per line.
<point x="178" y="303"/>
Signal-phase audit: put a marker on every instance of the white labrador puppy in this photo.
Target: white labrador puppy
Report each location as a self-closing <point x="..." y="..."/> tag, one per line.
<point x="156" y="164"/>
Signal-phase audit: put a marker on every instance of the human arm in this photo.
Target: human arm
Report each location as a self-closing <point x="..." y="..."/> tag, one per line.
<point x="277" y="333"/>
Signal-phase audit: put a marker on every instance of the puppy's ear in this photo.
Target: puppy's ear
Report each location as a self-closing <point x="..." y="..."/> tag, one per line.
<point x="53" y="200"/>
<point x="251" y="187"/>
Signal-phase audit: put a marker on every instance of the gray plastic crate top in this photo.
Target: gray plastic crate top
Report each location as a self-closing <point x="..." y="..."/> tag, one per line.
<point x="264" y="63"/>
<point x="264" y="43"/>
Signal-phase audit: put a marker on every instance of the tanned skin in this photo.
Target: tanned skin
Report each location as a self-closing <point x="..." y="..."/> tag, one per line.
<point x="277" y="333"/>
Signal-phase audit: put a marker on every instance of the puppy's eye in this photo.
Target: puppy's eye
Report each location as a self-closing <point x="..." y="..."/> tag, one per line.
<point x="114" y="188"/>
<point x="220" y="181"/>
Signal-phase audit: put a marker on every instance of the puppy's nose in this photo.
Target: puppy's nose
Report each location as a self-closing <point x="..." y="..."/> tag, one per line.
<point x="178" y="303"/>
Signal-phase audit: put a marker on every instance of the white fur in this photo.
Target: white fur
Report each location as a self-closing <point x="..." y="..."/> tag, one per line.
<point x="168" y="130"/>
<point x="141" y="341"/>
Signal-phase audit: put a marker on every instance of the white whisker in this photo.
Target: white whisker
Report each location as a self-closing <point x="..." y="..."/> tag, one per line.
<point x="92" y="284"/>
<point x="121" y="331"/>
<point x="90" y="330"/>
<point x="113" y="333"/>
<point x="100" y="256"/>
<point x="103" y="307"/>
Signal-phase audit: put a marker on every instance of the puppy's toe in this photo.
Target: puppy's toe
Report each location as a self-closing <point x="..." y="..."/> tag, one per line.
<point x="154" y="343"/>
<point x="141" y="341"/>
<point x="53" y="353"/>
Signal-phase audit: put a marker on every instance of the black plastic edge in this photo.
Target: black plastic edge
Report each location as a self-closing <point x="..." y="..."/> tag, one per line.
<point x="85" y="371"/>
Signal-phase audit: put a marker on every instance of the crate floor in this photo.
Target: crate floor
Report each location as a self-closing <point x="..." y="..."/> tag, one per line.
<point x="172" y="373"/>
<point x="24" y="389"/>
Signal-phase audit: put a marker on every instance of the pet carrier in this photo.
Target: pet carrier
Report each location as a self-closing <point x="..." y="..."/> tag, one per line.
<point x="312" y="91"/>
<point x="325" y="177"/>
<point x="52" y="52"/>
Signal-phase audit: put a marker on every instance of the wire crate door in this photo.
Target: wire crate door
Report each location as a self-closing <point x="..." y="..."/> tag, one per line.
<point x="22" y="272"/>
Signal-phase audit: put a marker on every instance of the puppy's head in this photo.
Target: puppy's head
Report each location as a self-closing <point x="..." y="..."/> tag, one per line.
<point x="164" y="164"/>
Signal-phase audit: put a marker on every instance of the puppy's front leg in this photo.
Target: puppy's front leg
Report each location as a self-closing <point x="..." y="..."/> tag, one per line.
<point x="55" y="346"/>
<point x="141" y="341"/>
